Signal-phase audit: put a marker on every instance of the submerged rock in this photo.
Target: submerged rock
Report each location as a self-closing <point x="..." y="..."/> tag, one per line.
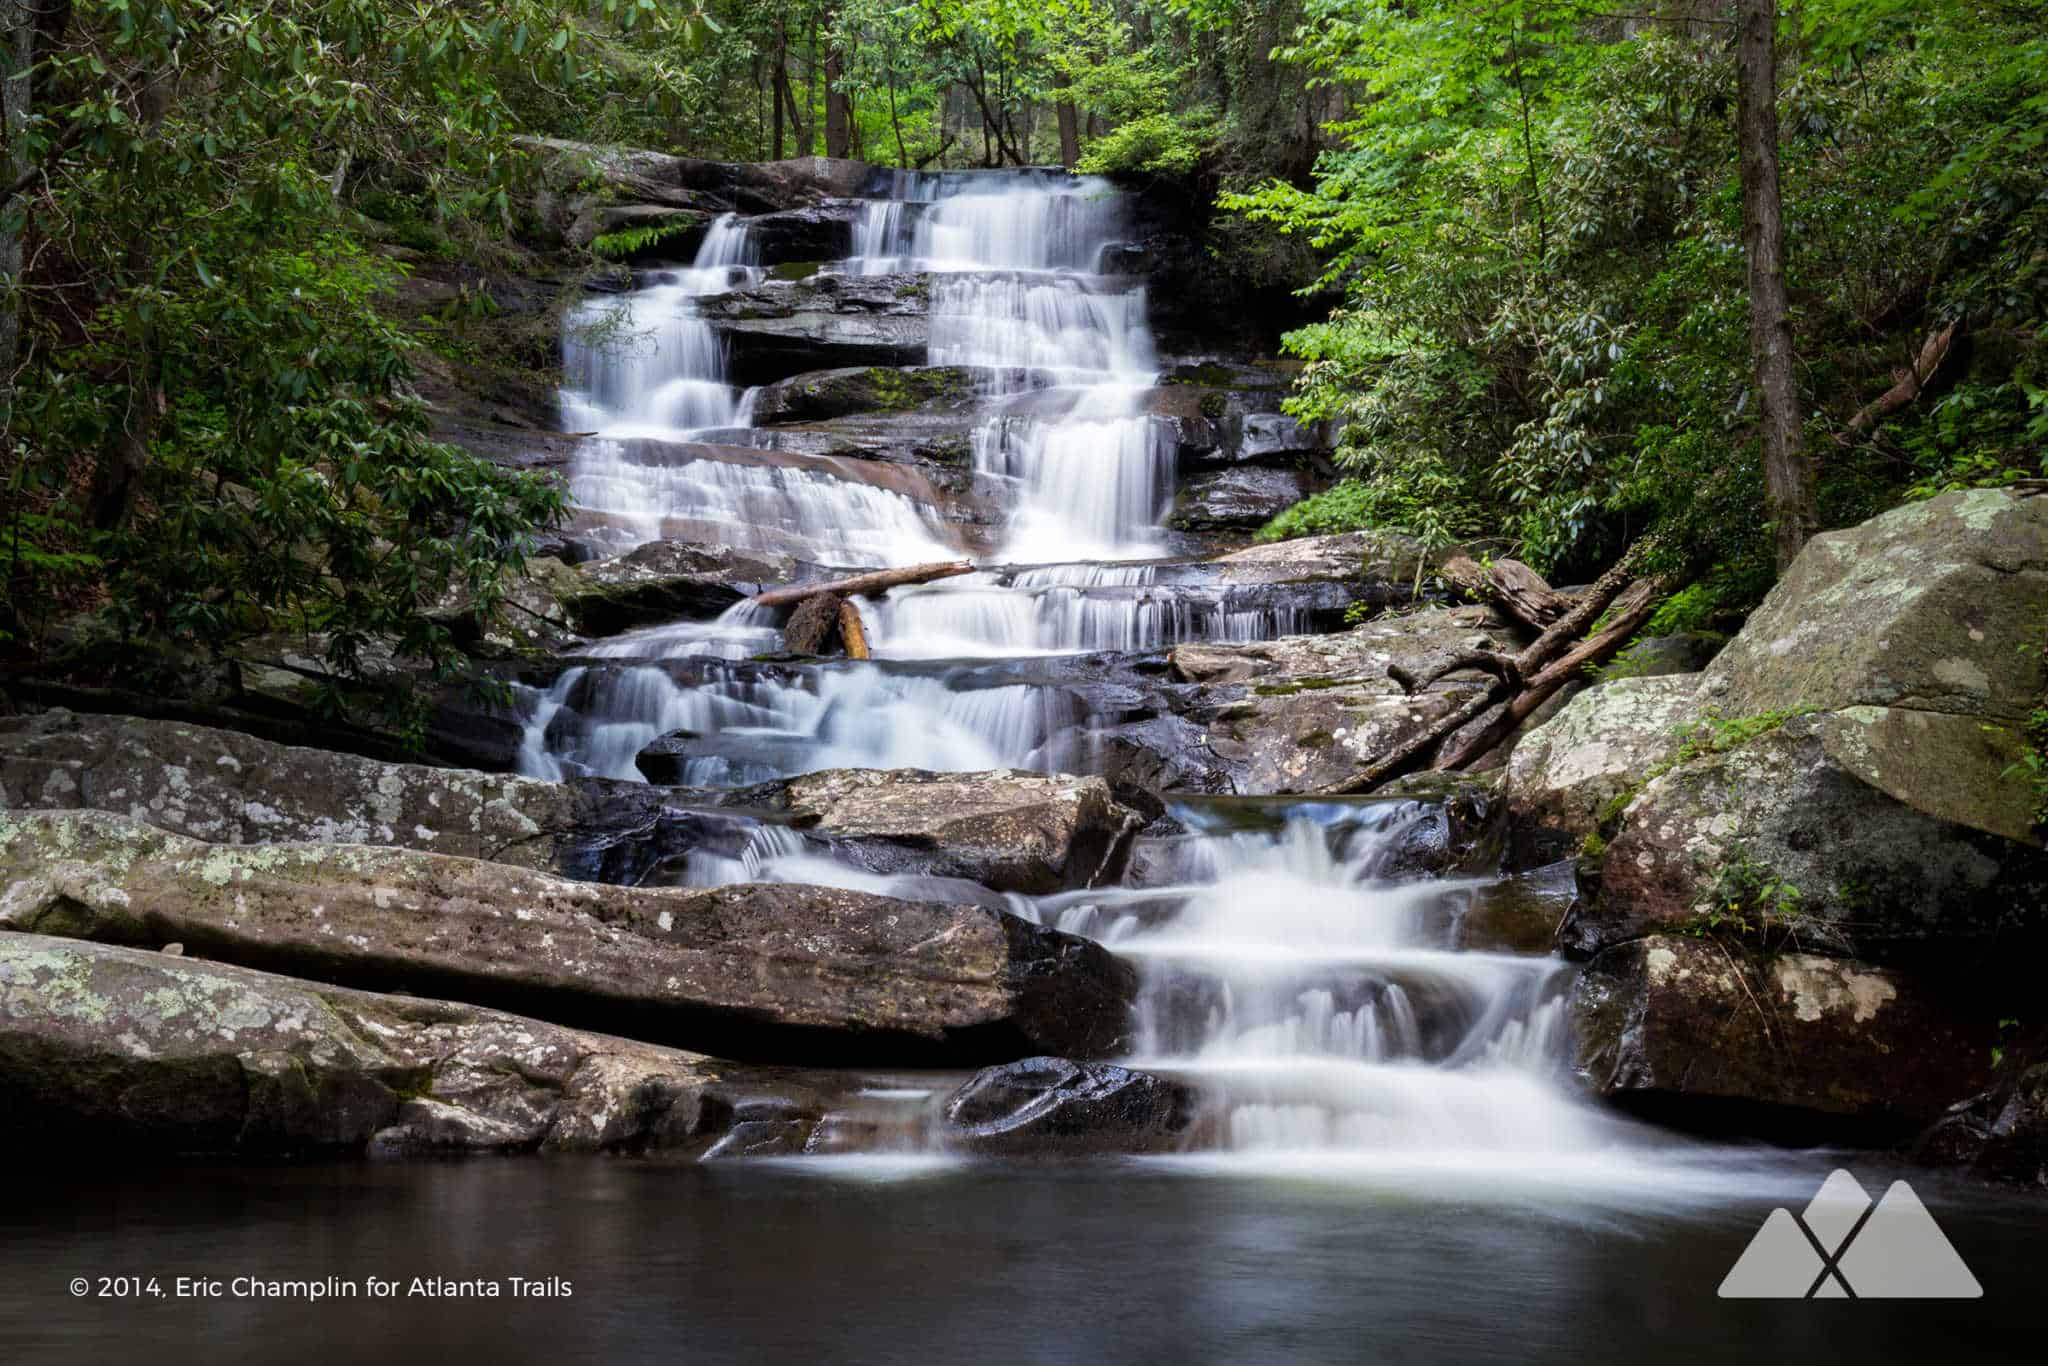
<point x="1013" y="831"/>
<point x="1051" y="1107"/>
<point x="109" y="1048"/>
<point x="2001" y="1133"/>
<point x="1689" y="1031"/>
<point x="764" y="971"/>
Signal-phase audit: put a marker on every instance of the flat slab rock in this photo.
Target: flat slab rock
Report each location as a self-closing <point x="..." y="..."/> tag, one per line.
<point x="1013" y="831"/>
<point x="1794" y="1046"/>
<point x="773" y="972"/>
<point x="110" y="1048"/>
<point x="229" y="787"/>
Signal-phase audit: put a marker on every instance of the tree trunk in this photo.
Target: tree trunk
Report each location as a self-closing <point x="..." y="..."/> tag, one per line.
<point x="1070" y="123"/>
<point x="1788" y="467"/>
<point x="838" y="109"/>
<point x="117" y="477"/>
<point x="777" y="81"/>
<point x="17" y="50"/>
<point x="895" y="124"/>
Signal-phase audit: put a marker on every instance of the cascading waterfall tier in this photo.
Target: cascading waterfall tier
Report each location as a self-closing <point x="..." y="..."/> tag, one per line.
<point x="1017" y="292"/>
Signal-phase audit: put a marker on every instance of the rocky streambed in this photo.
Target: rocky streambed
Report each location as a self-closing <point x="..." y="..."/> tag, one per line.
<point x="1058" y="869"/>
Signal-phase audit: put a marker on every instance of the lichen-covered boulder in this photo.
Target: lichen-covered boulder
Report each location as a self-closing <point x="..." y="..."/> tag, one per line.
<point x="110" y="1048"/>
<point x="231" y="788"/>
<point x="1924" y="607"/>
<point x="1342" y="555"/>
<point x="1564" y="774"/>
<point x="762" y="971"/>
<point x="1051" y="1107"/>
<point x="1777" y="828"/>
<point x="1013" y="831"/>
<point x="1692" y="1032"/>
<point x="1307" y="712"/>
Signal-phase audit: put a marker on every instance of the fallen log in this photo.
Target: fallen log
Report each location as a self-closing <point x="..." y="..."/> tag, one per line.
<point x="863" y="585"/>
<point x="1513" y="586"/>
<point x="1546" y="663"/>
<point x="853" y="633"/>
<point x="1908" y="383"/>
<point x="1626" y="615"/>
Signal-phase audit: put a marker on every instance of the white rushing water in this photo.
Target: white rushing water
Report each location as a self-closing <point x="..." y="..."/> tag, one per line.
<point x="1014" y="262"/>
<point x="1316" y="992"/>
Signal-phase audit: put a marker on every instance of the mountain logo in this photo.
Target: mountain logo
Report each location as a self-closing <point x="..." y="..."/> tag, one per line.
<point x="1842" y="1248"/>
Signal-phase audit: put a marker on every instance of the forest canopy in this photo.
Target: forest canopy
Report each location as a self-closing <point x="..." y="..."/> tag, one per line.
<point x="1530" y="216"/>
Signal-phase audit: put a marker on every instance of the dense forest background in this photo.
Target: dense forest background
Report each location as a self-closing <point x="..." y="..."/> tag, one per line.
<point x="1526" y="220"/>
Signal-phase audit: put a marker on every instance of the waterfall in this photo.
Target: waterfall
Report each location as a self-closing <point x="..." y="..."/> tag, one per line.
<point x="1313" y="989"/>
<point x="1016" y="291"/>
<point x="645" y="363"/>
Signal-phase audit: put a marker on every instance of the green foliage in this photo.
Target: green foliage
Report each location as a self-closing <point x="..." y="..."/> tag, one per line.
<point x="627" y="241"/>
<point x="1534" y="215"/>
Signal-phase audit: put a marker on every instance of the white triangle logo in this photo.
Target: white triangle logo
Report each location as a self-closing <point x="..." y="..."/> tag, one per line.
<point x="1841" y="1248"/>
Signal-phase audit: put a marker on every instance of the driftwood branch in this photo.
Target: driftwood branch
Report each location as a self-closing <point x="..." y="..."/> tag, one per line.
<point x="863" y="585"/>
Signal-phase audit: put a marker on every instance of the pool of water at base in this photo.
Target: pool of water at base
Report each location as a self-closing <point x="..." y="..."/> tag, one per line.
<point x="919" y="1260"/>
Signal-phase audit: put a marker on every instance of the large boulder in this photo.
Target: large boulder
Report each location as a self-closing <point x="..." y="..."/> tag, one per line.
<point x="1854" y="774"/>
<point x="761" y="350"/>
<point x="1384" y="555"/>
<point x="777" y="972"/>
<point x="1307" y="712"/>
<point x="1051" y="1107"/>
<point x="1692" y="1032"/>
<point x="1013" y="831"/>
<point x="1926" y="607"/>
<point x="111" y="1048"/>
<point x="1777" y="831"/>
<point x="1565" y="774"/>
<point x="230" y="788"/>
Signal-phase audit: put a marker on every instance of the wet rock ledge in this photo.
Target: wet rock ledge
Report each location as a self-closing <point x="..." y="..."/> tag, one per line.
<point x="775" y="972"/>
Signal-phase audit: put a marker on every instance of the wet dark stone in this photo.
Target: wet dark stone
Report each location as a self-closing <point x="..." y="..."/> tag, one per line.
<point x="1051" y="1107"/>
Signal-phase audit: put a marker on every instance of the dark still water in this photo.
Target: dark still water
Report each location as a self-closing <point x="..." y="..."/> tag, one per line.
<point x="821" y="1260"/>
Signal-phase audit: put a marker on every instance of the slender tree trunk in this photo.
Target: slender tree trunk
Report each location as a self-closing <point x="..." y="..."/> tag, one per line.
<point x="811" y="92"/>
<point x="1070" y="123"/>
<point x="117" y="477"/>
<point x="838" y="109"/>
<point x="895" y="124"/>
<point x="1788" y="467"/>
<point x="776" y="81"/>
<point x="18" y="51"/>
